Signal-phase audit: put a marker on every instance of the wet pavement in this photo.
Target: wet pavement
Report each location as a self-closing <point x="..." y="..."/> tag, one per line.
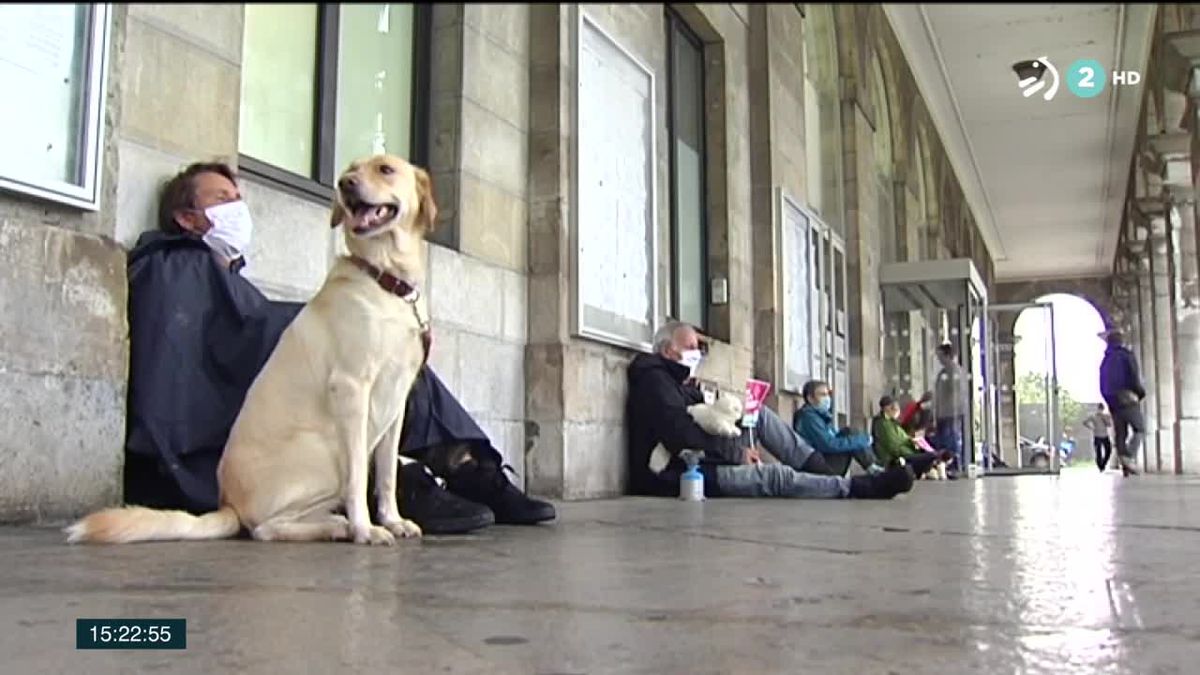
<point x="1082" y="573"/>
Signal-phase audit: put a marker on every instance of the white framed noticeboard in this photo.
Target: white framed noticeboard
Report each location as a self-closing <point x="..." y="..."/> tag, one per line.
<point x="53" y="67"/>
<point x="797" y="280"/>
<point x="614" y="229"/>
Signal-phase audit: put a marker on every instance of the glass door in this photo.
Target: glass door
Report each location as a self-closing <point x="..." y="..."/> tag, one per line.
<point x="1024" y="403"/>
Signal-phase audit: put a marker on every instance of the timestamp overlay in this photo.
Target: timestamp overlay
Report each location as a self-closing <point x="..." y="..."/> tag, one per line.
<point x="130" y="633"/>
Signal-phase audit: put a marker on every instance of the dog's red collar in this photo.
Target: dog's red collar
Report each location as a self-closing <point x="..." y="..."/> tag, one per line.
<point x="388" y="281"/>
<point x="403" y="290"/>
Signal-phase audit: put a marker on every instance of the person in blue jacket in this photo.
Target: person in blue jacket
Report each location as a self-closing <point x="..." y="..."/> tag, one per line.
<point x="1122" y="389"/>
<point x="814" y="422"/>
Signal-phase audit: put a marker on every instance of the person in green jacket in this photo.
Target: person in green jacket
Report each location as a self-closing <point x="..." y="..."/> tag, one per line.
<point x="893" y="445"/>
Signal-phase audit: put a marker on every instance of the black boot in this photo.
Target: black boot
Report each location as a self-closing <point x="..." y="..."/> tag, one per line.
<point x="435" y="509"/>
<point x="484" y="481"/>
<point x="893" y="481"/>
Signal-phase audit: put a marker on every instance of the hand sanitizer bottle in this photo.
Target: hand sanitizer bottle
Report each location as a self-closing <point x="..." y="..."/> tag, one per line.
<point x="691" y="482"/>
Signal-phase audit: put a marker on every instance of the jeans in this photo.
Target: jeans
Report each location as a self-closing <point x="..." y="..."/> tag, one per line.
<point x="1126" y="418"/>
<point x="1103" y="447"/>
<point x="794" y="477"/>
<point x="950" y="437"/>
<point x="780" y="440"/>
<point x="778" y="480"/>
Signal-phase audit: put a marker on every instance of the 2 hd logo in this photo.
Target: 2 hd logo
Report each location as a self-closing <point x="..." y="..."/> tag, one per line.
<point x="1086" y="78"/>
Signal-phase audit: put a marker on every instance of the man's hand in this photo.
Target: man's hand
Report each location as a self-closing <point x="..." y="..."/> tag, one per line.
<point x="753" y="455"/>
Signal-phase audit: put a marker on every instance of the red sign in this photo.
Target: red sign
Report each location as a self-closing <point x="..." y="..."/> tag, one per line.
<point x="756" y="393"/>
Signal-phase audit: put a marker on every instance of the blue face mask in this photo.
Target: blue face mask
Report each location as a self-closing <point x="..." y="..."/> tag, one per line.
<point x="825" y="403"/>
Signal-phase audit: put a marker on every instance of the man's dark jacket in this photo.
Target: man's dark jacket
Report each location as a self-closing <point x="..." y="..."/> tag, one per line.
<point x="1119" y="372"/>
<point x="199" y="333"/>
<point x="656" y="412"/>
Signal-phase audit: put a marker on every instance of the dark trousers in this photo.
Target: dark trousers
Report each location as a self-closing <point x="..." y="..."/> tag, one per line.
<point x="950" y="437"/>
<point x="921" y="462"/>
<point x="1103" y="446"/>
<point x="837" y="463"/>
<point x="1126" y="419"/>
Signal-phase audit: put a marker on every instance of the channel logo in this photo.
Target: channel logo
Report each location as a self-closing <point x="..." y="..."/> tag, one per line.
<point x="1086" y="78"/>
<point x="1031" y="77"/>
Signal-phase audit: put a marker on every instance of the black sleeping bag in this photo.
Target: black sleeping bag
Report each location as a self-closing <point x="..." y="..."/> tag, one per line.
<point x="199" y="334"/>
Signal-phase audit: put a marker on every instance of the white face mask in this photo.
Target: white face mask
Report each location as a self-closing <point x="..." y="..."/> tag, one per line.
<point x="691" y="358"/>
<point x="231" y="228"/>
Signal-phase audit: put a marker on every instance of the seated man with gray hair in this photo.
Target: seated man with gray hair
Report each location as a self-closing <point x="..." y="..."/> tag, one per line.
<point x="662" y="386"/>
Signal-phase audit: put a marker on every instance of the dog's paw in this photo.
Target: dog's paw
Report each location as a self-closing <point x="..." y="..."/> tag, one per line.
<point x="375" y="536"/>
<point x="403" y="528"/>
<point x="731" y="430"/>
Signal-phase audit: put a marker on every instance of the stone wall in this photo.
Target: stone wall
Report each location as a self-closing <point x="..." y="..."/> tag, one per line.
<point x="577" y="387"/>
<point x="476" y="281"/>
<point x="498" y="274"/>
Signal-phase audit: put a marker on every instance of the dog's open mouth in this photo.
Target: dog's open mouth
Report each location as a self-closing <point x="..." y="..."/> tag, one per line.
<point x="367" y="218"/>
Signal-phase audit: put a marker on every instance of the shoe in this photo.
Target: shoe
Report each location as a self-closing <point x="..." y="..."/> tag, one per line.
<point x="891" y="482"/>
<point x="1128" y="471"/>
<point x="435" y="509"/>
<point x="485" y="482"/>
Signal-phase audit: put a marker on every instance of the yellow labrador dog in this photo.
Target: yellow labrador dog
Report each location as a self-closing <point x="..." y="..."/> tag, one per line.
<point x="331" y="397"/>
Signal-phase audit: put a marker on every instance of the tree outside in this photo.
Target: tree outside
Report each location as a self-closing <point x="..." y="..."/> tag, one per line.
<point x="1031" y="394"/>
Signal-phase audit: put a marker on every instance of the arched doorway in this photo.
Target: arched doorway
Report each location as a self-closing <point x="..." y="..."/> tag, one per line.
<point x="1057" y="366"/>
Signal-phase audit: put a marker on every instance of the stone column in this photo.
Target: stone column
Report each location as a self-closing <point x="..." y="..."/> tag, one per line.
<point x="1187" y="337"/>
<point x="1162" y="378"/>
<point x="550" y="79"/>
<point x="1147" y="353"/>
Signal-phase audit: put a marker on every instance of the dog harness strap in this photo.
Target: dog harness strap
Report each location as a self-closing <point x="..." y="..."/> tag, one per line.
<point x="403" y="290"/>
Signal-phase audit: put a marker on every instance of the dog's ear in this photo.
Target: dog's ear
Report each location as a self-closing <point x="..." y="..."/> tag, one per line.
<point x="337" y="213"/>
<point x="427" y="211"/>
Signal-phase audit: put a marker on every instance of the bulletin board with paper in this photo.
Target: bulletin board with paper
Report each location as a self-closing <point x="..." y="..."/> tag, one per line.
<point x="797" y="280"/>
<point x="614" y="228"/>
<point x="53" y="59"/>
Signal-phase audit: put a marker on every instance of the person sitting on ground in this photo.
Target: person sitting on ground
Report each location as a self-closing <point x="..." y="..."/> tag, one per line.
<point x="913" y="415"/>
<point x="199" y="334"/>
<point x="661" y="387"/>
<point x="893" y="445"/>
<point x="814" y="423"/>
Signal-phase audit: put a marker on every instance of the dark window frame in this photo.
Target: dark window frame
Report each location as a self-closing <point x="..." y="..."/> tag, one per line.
<point x="675" y="25"/>
<point x="325" y="109"/>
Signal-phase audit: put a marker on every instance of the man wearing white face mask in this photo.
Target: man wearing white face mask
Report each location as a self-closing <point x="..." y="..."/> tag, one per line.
<point x="199" y="334"/>
<point x="209" y="205"/>
<point x="662" y="386"/>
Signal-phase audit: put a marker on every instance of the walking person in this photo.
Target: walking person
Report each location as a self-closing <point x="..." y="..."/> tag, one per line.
<point x="1123" y="391"/>
<point x="1098" y="423"/>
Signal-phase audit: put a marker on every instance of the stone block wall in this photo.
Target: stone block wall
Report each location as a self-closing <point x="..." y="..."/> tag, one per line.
<point x="63" y="361"/>
<point x="498" y="278"/>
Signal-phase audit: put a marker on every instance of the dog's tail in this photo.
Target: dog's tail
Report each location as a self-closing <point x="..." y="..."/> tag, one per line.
<point x="137" y="523"/>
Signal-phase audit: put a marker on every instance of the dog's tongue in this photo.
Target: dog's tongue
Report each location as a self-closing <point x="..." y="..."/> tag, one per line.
<point x="370" y="216"/>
